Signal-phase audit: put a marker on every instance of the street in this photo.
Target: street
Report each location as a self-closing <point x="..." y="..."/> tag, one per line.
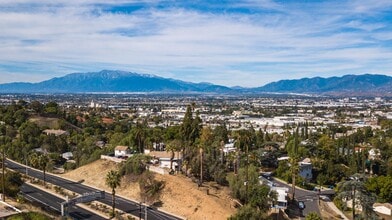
<point x="310" y="198"/>
<point x="123" y="204"/>
<point x="53" y="203"/>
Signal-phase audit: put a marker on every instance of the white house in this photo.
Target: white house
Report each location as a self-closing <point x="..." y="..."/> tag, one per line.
<point x="282" y="197"/>
<point x="305" y="167"/>
<point x="229" y="148"/>
<point x="121" y="151"/>
<point x="374" y="154"/>
<point x="163" y="158"/>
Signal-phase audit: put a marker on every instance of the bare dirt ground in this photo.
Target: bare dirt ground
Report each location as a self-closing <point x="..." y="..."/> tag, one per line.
<point x="180" y="196"/>
<point x="326" y="212"/>
<point x="45" y="122"/>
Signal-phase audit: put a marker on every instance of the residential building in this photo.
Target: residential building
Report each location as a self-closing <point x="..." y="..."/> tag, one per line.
<point x="121" y="151"/>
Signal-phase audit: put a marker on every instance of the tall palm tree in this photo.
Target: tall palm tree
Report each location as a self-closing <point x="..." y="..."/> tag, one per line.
<point x="43" y="162"/>
<point x="113" y="180"/>
<point x="40" y="161"/>
<point x="173" y="146"/>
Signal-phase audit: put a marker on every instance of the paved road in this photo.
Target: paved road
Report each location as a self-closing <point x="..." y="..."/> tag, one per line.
<point x="53" y="203"/>
<point x="310" y="198"/>
<point x="125" y="205"/>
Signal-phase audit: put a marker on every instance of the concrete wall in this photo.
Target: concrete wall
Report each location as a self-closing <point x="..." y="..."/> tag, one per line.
<point x="114" y="159"/>
<point x="157" y="170"/>
<point x="383" y="210"/>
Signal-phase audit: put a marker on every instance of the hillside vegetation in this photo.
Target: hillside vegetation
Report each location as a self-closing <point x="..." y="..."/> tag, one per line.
<point x="180" y="195"/>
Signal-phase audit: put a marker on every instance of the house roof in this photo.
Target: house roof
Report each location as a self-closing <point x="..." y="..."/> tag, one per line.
<point x="164" y="154"/>
<point x="107" y="120"/>
<point x="121" y="148"/>
<point x="67" y="154"/>
<point x="55" y="132"/>
<point x="282" y="193"/>
<point x="387" y="205"/>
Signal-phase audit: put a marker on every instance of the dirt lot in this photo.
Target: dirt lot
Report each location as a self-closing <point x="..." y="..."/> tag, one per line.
<point x="52" y="123"/>
<point x="180" y="196"/>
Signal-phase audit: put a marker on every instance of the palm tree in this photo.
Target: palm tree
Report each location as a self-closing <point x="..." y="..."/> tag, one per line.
<point x="113" y="180"/>
<point x="43" y="162"/>
<point x="40" y="161"/>
<point x="173" y="146"/>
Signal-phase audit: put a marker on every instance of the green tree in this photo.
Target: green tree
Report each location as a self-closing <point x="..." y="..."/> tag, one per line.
<point x="51" y="108"/>
<point x="313" y="216"/>
<point x="249" y="213"/>
<point x="294" y="159"/>
<point x="283" y="171"/>
<point x="113" y="180"/>
<point x="255" y="195"/>
<point x="381" y="186"/>
<point x="36" y="106"/>
<point x="173" y="146"/>
<point x="139" y="136"/>
<point x="12" y="183"/>
<point x="134" y="165"/>
<point x="189" y="132"/>
<point x="41" y="162"/>
<point x="186" y="126"/>
<point x="150" y="189"/>
<point x="355" y="190"/>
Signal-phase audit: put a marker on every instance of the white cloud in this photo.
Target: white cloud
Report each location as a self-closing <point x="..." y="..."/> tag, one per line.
<point x="231" y="48"/>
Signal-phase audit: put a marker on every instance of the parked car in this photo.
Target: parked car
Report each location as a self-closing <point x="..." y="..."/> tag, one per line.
<point x="301" y="205"/>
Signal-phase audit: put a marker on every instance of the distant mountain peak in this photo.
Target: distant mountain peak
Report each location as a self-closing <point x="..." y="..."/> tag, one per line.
<point x="111" y="81"/>
<point x="366" y="84"/>
<point x="121" y="81"/>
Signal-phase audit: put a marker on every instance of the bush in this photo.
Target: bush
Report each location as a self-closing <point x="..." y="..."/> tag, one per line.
<point x="69" y="166"/>
<point x="150" y="189"/>
<point x="339" y="203"/>
<point x="29" y="215"/>
<point x="313" y="216"/>
<point x="135" y="165"/>
<point x="12" y="183"/>
<point x="250" y="213"/>
<point x="220" y="176"/>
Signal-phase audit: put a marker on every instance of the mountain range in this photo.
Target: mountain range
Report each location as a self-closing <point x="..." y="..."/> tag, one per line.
<point x="109" y="81"/>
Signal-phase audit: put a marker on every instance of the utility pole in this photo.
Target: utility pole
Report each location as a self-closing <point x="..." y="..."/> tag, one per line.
<point x="26" y="162"/>
<point x="201" y="167"/>
<point x="247" y="175"/>
<point x="319" y="191"/>
<point x="3" y="175"/>
<point x="140" y="210"/>
<point x="145" y="212"/>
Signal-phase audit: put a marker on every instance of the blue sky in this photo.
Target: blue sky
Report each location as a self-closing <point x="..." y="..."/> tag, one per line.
<point x="228" y="42"/>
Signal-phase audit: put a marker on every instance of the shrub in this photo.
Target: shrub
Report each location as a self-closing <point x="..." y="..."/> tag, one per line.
<point x="135" y="165"/>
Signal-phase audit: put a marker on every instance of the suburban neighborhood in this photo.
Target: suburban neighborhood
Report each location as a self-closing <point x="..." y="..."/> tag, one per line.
<point x="300" y="150"/>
